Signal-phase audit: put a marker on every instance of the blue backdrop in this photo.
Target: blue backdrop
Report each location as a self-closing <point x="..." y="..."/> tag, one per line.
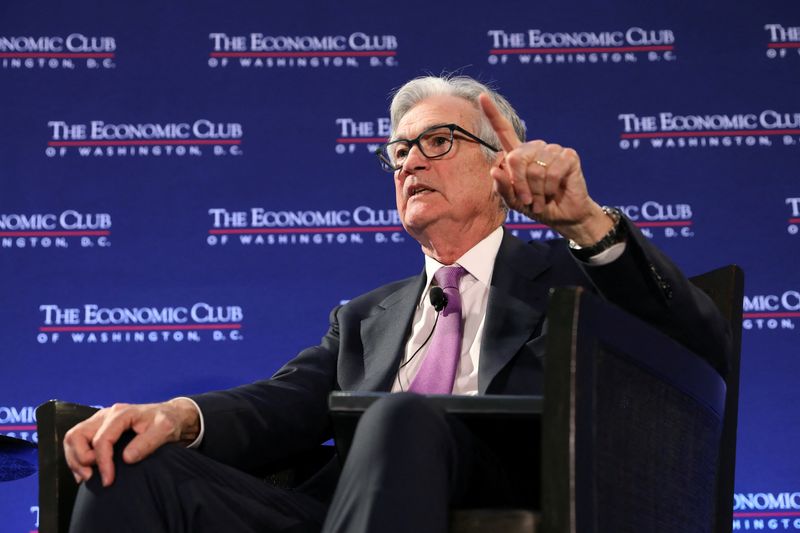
<point x="187" y="186"/>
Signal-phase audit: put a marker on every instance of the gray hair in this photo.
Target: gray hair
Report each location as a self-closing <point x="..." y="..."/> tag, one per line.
<point x="418" y="89"/>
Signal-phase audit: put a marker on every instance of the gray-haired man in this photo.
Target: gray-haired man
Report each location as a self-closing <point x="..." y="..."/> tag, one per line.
<point x="459" y="161"/>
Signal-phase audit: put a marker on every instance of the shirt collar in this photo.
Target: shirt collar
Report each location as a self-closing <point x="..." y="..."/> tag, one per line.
<point x="478" y="260"/>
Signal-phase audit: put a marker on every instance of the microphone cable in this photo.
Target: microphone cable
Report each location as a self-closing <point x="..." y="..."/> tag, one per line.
<point x="438" y="300"/>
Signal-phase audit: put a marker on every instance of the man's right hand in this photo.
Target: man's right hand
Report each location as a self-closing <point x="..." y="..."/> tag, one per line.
<point x="92" y="441"/>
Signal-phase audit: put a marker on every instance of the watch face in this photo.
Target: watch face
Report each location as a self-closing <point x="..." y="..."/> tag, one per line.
<point x="613" y="212"/>
<point x="614" y="236"/>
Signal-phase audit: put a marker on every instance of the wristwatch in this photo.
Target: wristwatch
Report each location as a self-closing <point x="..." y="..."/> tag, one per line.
<point x="615" y="235"/>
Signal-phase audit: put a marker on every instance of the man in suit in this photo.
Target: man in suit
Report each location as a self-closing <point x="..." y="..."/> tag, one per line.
<point x="459" y="161"/>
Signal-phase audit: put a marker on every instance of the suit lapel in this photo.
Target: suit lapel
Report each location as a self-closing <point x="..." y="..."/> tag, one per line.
<point x="517" y="301"/>
<point x="384" y="335"/>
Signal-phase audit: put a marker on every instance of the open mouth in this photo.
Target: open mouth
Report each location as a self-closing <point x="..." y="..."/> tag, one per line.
<point x="415" y="190"/>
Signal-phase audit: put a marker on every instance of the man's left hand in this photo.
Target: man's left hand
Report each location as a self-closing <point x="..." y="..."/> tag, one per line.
<point x="545" y="181"/>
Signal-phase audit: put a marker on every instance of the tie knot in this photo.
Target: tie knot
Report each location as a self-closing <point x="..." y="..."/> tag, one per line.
<point x="449" y="276"/>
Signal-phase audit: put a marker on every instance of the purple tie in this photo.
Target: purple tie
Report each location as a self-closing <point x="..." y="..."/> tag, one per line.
<point x="438" y="371"/>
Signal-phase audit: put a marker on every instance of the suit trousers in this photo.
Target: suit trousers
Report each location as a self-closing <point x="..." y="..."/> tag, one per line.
<point x="409" y="463"/>
<point x="181" y="490"/>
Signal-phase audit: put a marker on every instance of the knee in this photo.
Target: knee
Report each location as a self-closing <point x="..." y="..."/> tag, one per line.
<point x="403" y="408"/>
<point x="131" y="478"/>
<point x="134" y="493"/>
<point x="403" y="416"/>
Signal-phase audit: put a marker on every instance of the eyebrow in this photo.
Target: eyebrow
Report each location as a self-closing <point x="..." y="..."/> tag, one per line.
<point x="426" y="128"/>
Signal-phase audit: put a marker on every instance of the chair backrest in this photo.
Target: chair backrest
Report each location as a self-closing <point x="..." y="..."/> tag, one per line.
<point x="638" y="432"/>
<point x="57" y="487"/>
<point x="725" y="286"/>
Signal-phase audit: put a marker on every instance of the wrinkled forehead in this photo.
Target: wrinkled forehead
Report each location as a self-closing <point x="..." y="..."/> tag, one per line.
<point x="434" y="111"/>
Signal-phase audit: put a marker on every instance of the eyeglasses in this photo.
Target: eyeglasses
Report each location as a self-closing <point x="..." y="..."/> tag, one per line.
<point x="434" y="142"/>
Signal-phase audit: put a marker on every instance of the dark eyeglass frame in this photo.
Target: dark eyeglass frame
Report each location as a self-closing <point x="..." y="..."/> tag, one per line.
<point x="388" y="166"/>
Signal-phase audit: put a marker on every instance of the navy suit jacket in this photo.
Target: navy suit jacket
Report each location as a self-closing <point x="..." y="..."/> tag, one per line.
<point x="264" y="422"/>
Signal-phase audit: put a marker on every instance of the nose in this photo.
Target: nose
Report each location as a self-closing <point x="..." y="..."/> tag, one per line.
<point x="415" y="160"/>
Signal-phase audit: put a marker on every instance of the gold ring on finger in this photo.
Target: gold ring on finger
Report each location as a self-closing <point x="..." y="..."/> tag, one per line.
<point x="540" y="163"/>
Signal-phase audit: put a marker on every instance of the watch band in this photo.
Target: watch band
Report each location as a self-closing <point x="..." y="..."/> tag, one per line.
<point x="615" y="235"/>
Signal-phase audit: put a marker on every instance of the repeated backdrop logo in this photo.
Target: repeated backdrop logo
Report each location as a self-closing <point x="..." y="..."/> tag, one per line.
<point x="69" y="228"/>
<point x="57" y="52"/>
<point x="264" y="51"/>
<point x="776" y="310"/>
<point x="655" y="219"/>
<point x="766" y="511"/>
<point x="794" y="215"/>
<point x="666" y="129"/>
<point x="547" y="47"/>
<point x="101" y="139"/>
<point x="661" y="219"/>
<point x="19" y="421"/>
<point x="783" y="42"/>
<point x="258" y="226"/>
<point x="96" y="324"/>
<point x="362" y="136"/>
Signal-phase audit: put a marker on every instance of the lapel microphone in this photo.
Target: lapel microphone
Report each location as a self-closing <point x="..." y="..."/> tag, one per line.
<point x="438" y="298"/>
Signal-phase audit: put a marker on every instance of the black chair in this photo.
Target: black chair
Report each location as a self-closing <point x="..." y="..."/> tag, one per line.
<point x="643" y="437"/>
<point x="638" y="434"/>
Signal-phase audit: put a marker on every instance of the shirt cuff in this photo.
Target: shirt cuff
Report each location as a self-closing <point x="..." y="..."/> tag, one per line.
<point x="608" y="255"/>
<point x="196" y="442"/>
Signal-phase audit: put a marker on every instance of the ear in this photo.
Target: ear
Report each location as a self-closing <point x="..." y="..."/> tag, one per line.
<point x="499" y="160"/>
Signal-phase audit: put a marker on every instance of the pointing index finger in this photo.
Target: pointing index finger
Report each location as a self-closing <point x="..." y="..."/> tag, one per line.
<point x="501" y="125"/>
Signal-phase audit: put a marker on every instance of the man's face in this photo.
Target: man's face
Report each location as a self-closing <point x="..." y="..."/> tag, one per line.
<point x="453" y="193"/>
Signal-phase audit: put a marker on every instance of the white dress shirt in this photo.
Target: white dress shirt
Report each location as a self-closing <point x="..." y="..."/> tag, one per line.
<point x="474" y="289"/>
